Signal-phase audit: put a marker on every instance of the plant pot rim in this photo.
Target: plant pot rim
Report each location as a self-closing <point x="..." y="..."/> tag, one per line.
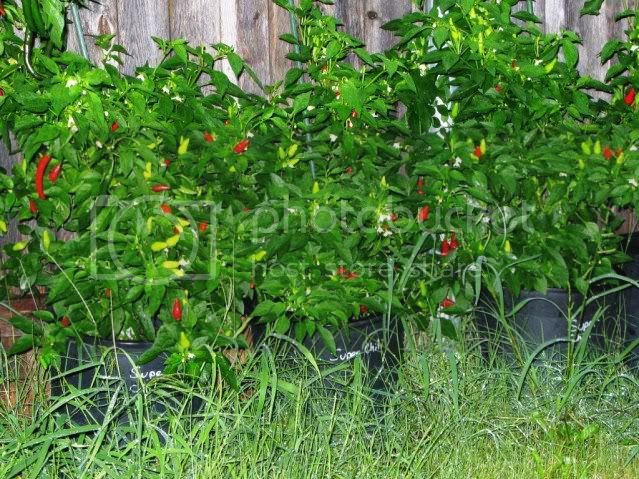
<point x="87" y="339"/>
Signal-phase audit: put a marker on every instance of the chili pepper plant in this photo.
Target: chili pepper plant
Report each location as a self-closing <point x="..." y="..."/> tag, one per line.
<point x="515" y="149"/>
<point x="147" y="178"/>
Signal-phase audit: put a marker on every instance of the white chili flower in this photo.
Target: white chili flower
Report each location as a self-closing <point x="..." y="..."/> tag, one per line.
<point x="457" y="163"/>
<point x="178" y="98"/>
<point x="166" y="89"/>
<point x="633" y="182"/>
<point x="71" y="125"/>
<point x="250" y="134"/>
<point x="71" y="82"/>
<point x="397" y="145"/>
<point x="141" y="77"/>
<point x="98" y="144"/>
<point x="310" y="108"/>
<point x="333" y="138"/>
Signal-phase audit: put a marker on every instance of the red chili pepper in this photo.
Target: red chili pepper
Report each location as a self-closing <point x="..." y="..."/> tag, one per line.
<point x="363" y="309"/>
<point x="447" y="303"/>
<point x="65" y="322"/>
<point x="445" y="248"/>
<point x="424" y="213"/>
<point x="477" y="152"/>
<point x="2" y="11"/>
<point x="115" y="126"/>
<point x="54" y="174"/>
<point x="166" y="208"/>
<point x="420" y="186"/>
<point x="39" y="176"/>
<point x="167" y="163"/>
<point x="607" y="153"/>
<point x="354" y="114"/>
<point x="393" y="217"/>
<point x="349" y="170"/>
<point x="108" y="293"/>
<point x="33" y="206"/>
<point x="498" y="88"/>
<point x="1" y="92"/>
<point x="160" y="188"/>
<point x="342" y="271"/>
<point x="208" y="137"/>
<point x="203" y="226"/>
<point x="242" y="146"/>
<point x="629" y="99"/>
<point x="453" y="242"/>
<point x="352" y="275"/>
<point x="177" y="310"/>
<point x="251" y="285"/>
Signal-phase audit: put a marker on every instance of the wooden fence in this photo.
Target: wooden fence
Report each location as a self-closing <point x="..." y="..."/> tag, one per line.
<point x="253" y="28"/>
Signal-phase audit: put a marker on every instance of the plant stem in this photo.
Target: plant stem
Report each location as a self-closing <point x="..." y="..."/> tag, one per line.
<point x="79" y="33"/>
<point x="295" y="32"/>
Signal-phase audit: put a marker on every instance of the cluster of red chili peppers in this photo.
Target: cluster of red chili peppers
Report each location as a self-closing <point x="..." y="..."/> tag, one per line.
<point x="53" y="176"/>
<point x="346" y="274"/>
<point x="448" y="246"/>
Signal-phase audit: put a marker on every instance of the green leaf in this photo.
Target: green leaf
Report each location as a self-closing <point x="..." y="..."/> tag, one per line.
<point x="236" y="62"/>
<point x="22" y="345"/>
<point x="53" y="15"/>
<point x="527" y="17"/>
<point x="591" y="7"/>
<point x="610" y="49"/>
<point x="301" y="102"/>
<point x="615" y="70"/>
<point x="164" y="341"/>
<point x="328" y="338"/>
<point x="26" y="325"/>
<point x="571" y="53"/>
<point x="440" y="35"/>
<point x="282" y="325"/>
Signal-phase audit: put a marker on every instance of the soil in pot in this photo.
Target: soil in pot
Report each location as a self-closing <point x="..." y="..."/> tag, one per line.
<point x="542" y="318"/>
<point x="378" y="344"/>
<point x="100" y="371"/>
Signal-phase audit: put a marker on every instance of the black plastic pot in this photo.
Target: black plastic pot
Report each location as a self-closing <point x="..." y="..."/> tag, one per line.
<point x="543" y="318"/>
<point x="97" y="364"/>
<point x="621" y="325"/>
<point x="379" y="345"/>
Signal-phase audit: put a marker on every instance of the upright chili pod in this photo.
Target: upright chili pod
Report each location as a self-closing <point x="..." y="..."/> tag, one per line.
<point x="424" y="212"/>
<point x="177" y="310"/>
<point x="33" y="207"/>
<point x="629" y="98"/>
<point x="160" y="188"/>
<point x="39" y="176"/>
<point x="54" y="174"/>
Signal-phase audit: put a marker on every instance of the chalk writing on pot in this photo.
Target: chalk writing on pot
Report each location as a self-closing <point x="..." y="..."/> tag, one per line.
<point x="367" y="348"/>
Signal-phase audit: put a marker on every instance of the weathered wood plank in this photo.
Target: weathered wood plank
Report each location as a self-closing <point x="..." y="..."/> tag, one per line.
<point x="138" y="21"/>
<point x="279" y="23"/>
<point x="253" y="40"/>
<point x="363" y="19"/>
<point x="99" y="18"/>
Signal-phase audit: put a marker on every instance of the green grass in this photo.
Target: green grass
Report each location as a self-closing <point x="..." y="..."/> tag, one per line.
<point x="452" y="416"/>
